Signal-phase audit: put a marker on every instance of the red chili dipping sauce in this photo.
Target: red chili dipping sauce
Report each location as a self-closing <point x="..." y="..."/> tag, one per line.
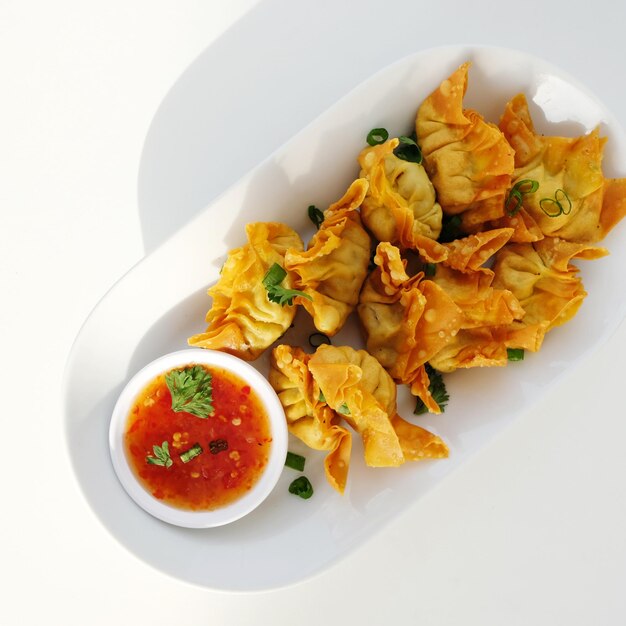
<point x="198" y="463"/>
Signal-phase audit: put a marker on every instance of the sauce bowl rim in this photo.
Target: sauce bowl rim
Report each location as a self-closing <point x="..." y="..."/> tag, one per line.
<point x="268" y="477"/>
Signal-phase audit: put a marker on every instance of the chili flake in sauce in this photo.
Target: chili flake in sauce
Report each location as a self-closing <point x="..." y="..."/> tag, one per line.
<point x="235" y="443"/>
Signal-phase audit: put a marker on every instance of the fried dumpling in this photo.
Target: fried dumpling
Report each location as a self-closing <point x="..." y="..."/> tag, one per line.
<point x="469" y="161"/>
<point x="469" y="284"/>
<point x="332" y="270"/>
<point x="400" y="205"/>
<point x="573" y="200"/>
<point x="242" y="321"/>
<point x="308" y="417"/>
<point x="540" y="275"/>
<point x="355" y="385"/>
<point x="407" y="320"/>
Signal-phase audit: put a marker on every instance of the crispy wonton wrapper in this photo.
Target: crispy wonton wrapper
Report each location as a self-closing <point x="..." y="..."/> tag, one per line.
<point x="333" y="268"/>
<point x="407" y="320"/>
<point x="308" y="418"/>
<point x="355" y="385"/>
<point x="540" y="275"/>
<point x="568" y="170"/>
<point x="468" y="159"/>
<point x="242" y="321"/>
<point x="400" y="204"/>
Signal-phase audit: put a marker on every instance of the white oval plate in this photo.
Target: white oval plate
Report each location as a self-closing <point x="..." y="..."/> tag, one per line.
<point x="136" y="322"/>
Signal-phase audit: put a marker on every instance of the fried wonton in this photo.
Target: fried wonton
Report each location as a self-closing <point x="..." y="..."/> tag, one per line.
<point x="242" y="321"/>
<point x="400" y="205"/>
<point x="542" y="278"/>
<point x="355" y="385"/>
<point x="469" y="161"/>
<point x="308" y="418"/>
<point x="406" y="319"/>
<point x="333" y="268"/>
<point x="573" y="200"/>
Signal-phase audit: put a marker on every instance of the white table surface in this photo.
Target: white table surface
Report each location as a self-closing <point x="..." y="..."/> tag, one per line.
<point x="532" y="530"/>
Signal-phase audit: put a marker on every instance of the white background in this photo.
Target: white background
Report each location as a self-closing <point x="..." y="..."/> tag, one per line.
<point x="94" y="176"/>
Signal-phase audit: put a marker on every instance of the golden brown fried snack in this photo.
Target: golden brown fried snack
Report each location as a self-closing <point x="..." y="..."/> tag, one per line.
<point x="355" y="385"/>
<point x="573" y="200"/>
<point x="333" y="268"/>
<point x="308" y="418"/>
<point x="540" y="275"/>
<point x="469" y="161"/>
<point x="407" y="320"/>
<point x="242" y="321"/>
<point x="400" y="204"/>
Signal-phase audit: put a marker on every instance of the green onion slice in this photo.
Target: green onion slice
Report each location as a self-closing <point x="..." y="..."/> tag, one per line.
<point x="344" y="409"/>
<point x="301" y="487"/>
<point x="516" y="195"/>
<point x="408" y="150"/>
<point x="295" y="461"/>
<point x="430" y="269"/>
<point x="561" y="197"/>
<point x="316" y="216"/>
<point x="192" y="453"/>
<point x="377" y="136"/>
<point x="559" y="205"/>
<point x="321" y="397"/>
<point x="551" y="207"/>
<point x="317" y="339"/>
<point x="515" y="354"/>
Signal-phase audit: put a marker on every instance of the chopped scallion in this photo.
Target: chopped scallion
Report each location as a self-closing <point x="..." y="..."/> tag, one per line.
<point x="316" y="216"/>
<point x="377" y="136"/>
<point x="317" y="339"/>
<point x="192" y="453"/>
<point x="559" y="205"/>
<point x="515" y="354"/>
<point x="408" y="150"/>
<point x="302" y="487"/>
<point x="295" y="461"/>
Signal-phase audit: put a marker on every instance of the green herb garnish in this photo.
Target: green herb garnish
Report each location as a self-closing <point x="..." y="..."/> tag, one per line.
<point x="408" y="150"/>
<point x="161" y="456"/>
<point x="321" y="397"/>
<point x="317" y="339"/>
<point x="344" y="409"/>
<point x="430" y="269"/>
<point x="295" y="461"/>
<point x="516" y="195"/>
<point x="559" y="205"/>
<point x="437" y="389"/>
<point x="277" y="293"/>
<point x="301" y="487"/>
<point x="515" y="354"/>
<point x="316" y="216"/>
<point x="451" y="228"/>
<point x="192" y="453"/>
<point x="192" y="390"/>
<point x="377" y="136"/>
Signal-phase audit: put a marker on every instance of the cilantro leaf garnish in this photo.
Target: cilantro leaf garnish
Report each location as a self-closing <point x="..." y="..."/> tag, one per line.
<point x="161" y="456"/>
<point x="437" y="389"/>
<point x="275" y="291"/>
<point x="192" y="390"/>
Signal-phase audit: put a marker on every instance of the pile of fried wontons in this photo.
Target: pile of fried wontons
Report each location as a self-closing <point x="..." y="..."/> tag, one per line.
<point x="524" y="205"/>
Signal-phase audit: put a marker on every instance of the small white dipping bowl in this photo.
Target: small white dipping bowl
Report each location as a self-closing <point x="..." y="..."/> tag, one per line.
<point x="266" y="481"/>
